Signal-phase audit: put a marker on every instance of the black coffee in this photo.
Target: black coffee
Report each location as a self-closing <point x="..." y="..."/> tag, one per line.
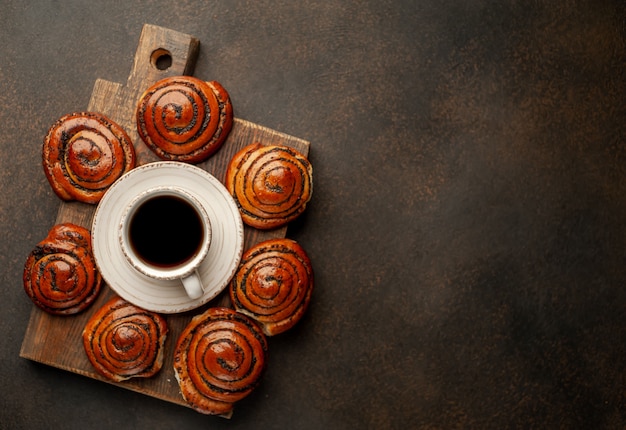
<point x="165" y="231"/>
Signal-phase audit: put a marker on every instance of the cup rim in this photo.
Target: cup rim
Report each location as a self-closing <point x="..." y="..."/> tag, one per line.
<point x="164" y="273"/>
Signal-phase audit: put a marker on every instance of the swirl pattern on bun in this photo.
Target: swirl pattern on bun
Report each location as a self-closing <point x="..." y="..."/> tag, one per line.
<point x="273" y="284"/>
<point x="271" y="184"/>
<point x="83" y="154"/>
<point x="123" y="341"/>
<point x="183" y="118"/>
<point x="60" y="273"/>
<point x="219" y="359"/>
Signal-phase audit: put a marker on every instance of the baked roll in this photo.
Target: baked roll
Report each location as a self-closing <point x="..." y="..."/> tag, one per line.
<point x="123" y="341"/>
<point x="184" y="119"/>
<point x="60" y="274"/>
<point x="271" y="184"/>
<point x="84" y="153"/>
<point x="273" y="284"/>
<point x="219" y="359"/>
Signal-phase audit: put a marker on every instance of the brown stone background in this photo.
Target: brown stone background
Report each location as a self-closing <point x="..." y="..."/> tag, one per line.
<point x="467" y="228"/>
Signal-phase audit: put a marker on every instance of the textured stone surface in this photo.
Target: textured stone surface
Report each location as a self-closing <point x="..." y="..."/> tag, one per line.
<point x="467" y="228"/>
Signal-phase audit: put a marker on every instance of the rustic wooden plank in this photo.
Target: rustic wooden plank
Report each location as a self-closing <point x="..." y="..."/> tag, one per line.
<point x="56" y="341"/>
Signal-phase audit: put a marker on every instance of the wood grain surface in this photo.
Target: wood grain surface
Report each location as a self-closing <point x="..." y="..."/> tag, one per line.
<point x="56" y="341"/>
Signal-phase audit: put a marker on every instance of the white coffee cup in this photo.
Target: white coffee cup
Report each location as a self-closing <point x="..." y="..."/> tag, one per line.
<point x="165" y="234"/>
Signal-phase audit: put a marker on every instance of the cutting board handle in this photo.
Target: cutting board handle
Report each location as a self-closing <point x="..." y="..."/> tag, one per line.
<point x="161" y="53"/>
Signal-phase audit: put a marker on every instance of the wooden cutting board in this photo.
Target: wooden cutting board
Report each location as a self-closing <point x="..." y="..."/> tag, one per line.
<point x="56" y="340"/>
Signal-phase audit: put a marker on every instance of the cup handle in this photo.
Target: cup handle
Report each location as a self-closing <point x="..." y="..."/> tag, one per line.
<point x="193" y="285"/>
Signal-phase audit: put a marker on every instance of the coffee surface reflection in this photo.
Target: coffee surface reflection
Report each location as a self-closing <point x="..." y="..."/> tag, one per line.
<point x="165" y="231"/>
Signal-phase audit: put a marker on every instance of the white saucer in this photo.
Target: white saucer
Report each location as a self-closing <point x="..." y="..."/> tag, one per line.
<point x="226" y="242"/>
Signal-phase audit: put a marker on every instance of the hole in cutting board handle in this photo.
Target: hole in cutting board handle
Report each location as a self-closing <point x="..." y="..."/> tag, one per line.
<point x="161" y="59"/>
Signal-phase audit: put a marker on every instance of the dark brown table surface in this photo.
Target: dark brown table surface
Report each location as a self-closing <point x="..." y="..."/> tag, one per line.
<point x="468" y="224"/>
